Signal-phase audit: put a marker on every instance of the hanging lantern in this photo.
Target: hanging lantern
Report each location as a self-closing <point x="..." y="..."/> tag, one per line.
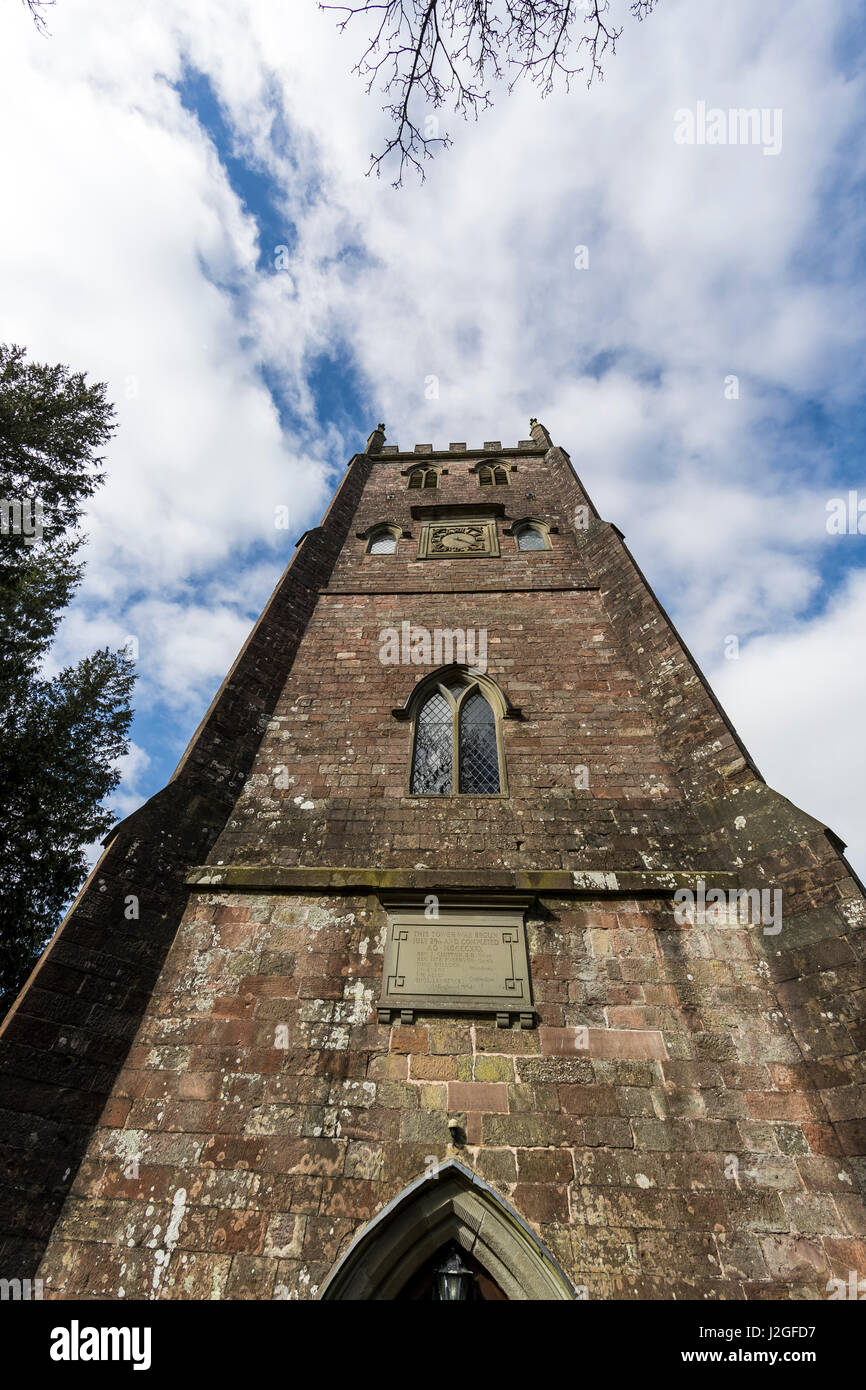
<point x="453" y="1279"/>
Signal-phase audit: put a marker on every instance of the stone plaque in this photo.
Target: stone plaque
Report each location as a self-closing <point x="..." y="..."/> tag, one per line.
<point x="463" y="960"/>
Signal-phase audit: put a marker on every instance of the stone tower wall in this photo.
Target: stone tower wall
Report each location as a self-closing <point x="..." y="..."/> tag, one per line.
<point x="686" y="1121"/>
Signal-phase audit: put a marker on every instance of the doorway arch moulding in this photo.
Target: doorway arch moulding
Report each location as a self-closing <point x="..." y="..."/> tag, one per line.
<point x="450" y="1204"/>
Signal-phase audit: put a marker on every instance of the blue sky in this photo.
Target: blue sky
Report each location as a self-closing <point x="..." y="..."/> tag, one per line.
<point x="164" y="153"/>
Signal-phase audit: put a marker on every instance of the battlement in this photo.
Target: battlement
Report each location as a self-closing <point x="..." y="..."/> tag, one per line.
<point x="523" y="446"/>
<point x="539" y="443"/>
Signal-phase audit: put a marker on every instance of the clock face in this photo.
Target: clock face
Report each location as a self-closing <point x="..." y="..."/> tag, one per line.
<point x="458" y="540"/>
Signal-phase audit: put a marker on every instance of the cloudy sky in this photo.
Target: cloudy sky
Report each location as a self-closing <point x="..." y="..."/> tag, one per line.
<point x="157" y="156"/>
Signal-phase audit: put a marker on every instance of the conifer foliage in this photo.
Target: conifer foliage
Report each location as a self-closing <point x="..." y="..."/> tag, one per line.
<point x="61" y="734"/>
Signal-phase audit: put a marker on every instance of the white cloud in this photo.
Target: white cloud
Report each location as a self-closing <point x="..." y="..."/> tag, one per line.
<point x="796" y="698"/>
<point x="126" y="227"/>
<point x="130" y="795"/>
<point x="185" y="649"/>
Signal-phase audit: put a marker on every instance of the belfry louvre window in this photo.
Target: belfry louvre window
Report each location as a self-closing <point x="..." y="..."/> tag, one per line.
<point x="493" y="477"/>
<point x="424" y="477"/>
<point x="456" y="746"/>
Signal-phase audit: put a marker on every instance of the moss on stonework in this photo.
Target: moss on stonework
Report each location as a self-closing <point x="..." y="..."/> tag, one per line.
<point x="434" y="1095"/>
<point x="791" y="1139"/>
<point x="493" y="1068"/>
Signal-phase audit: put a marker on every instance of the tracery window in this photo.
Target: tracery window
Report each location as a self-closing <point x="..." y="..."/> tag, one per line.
<point x="456" y="748"/>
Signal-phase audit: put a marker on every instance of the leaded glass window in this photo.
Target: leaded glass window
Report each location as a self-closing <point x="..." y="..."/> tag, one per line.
<point x="456" y="742"/>
<point x="530" y="538"/>
<point x="382" y="543"/>
<point x="479" y="756"/>
<point x="434" y="735"/>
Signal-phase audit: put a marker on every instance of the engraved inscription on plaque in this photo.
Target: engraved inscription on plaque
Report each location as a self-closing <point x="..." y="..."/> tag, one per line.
<point x="454" y="960"/>
<point x="467" y="960"/>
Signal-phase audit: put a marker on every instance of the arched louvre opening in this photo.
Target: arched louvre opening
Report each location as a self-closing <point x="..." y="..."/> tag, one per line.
<point x="424" y="478"/>
<point x="493" y="477"/>
<point x="456" y="747"/>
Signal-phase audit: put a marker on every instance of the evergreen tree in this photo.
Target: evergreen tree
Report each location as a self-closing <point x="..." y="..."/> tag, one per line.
<point x="59" y="736"/>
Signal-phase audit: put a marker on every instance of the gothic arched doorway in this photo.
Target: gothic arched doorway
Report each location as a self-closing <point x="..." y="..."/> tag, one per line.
<point x="398" y="1250"/>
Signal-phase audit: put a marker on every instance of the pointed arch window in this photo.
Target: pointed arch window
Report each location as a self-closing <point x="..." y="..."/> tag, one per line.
<point x="424" y="478"/>
<point x="493" y="477"/>
<point x="457" y="746"/>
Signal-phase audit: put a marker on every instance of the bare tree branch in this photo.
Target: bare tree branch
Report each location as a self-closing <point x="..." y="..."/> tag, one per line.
<point x="36" y="7"/>
<point x="422" y="53"/>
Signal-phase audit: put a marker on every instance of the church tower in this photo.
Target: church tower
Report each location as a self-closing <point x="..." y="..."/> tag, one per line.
<point x="466" y="953"/>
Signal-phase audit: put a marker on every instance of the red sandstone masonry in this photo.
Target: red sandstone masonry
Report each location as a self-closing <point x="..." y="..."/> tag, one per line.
<point x="633" y="1043"/>
<point x="491" y="1097"/>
